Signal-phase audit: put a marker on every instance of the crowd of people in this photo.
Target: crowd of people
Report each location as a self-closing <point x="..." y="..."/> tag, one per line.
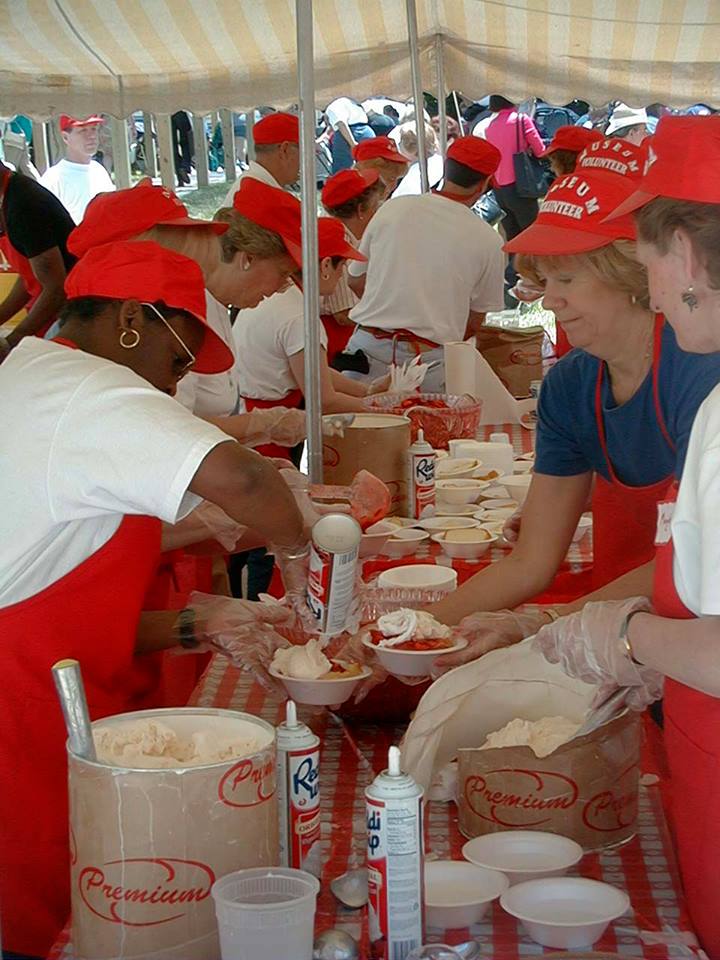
<point x="152" y="414"/>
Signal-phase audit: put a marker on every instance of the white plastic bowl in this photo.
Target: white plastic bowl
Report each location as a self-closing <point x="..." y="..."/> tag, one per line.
<point x="584" y="524"/>
<point x="524" y="854"/>
<point x="443" y="509"/>
<point x="494" y="514"/>
<point x="410" y="663"/>
<point x="460" y="491"/>
<point x="404" y="542"/>
<point x="467" y="550"/>
<point x="488" y="474"/>
<point x="568" y="913"/>
<point x="419" y="576"/>
<point x="523" y="466"/>
<point x="372" y="541"/>
<point x="438" y="524"/>
<point x="518" y="485"/>
<point x="456" y="468"/>
<point x="320" y="693"/>
<point x="459" y="894"/>
<point x="499" y="503"/>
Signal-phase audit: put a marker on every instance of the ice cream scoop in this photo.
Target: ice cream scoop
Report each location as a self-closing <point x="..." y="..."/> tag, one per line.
<point x="368" y="496"/>
<point x="71" y="692"/>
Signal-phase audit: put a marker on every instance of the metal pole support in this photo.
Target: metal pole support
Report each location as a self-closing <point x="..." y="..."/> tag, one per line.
<point x="417" y="92"/>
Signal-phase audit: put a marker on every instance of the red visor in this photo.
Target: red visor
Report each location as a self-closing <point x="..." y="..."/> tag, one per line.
<point x="347" y="185"/>
<point x="145" y="271"/>
<point x="682" y="163"/>
<point x="277" y="128"/>
<point x="274" y="209"/>
<point x="572" y="138"/>
<point x="127" y="213"/>
<point x="377" y="148"/>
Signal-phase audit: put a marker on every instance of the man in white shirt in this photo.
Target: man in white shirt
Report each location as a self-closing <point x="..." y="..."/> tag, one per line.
<point x="434" y="269"/>
<point x="349" y="125"/>
<point x="77" y="178"/>
<point x="277" y="153"/>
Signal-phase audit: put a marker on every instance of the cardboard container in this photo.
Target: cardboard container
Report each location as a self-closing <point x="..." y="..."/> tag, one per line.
<point x="374" y="442"/>
<point x="586" y="790"/>
<point x="148" y="844"/>
<point x="514" y="355"/>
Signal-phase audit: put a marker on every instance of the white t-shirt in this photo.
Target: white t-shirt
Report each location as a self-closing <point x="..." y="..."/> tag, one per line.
<point x="75" y="184"/>
<point x="258" y="172"/>
<point x="410" y="184"/>
<point x="344" y="109"/>
<point x="265" y="338"/>
<point x="212" y="394"/>
<point x="696" y="520"/>
<point x="84" y="442"/>
<point x="430" y="261"/>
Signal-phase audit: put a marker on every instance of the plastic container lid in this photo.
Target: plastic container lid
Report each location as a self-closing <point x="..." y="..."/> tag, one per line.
<point x="500" y="438"/>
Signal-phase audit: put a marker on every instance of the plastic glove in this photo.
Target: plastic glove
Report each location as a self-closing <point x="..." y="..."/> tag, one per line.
<point x="279" y="425"/>
<point x="487" y="631"/>
<point x="300" y="486"/>
<point x="379" y="385"/>
<point x="242" y="630"/>
<point x="206" y="522"/>
<point x="587" y="645"/>
<point x="511" y="528"/>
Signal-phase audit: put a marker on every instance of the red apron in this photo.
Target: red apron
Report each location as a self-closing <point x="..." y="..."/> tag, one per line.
<point x="562" y="344"/>
<point x="624" y="517"/>
<point x="419" y="344"/>
<point x="692" y="741"/>
<point x="293" y="401"/>
<point x="90" y="614"/>
<point x="338" y="335"/>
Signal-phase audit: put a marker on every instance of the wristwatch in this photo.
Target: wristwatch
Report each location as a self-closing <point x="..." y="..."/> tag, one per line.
<point x="186" y="629"/>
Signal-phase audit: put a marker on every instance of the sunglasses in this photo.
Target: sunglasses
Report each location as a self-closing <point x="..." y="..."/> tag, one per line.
<point x="191" y="356"/>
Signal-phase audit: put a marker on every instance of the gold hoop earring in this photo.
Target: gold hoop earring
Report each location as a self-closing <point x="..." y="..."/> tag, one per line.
<point x="129" y="346"/>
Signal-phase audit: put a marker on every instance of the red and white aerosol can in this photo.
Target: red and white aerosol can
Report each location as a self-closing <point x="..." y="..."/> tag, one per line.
<point x="298" y="753"/>
<point x="395" y="862"/>
<point x="331" y="579"/>
<point x="421" y="478"/>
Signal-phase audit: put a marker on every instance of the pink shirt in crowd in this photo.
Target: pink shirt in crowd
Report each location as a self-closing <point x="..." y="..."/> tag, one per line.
<point x="503" y="133"/>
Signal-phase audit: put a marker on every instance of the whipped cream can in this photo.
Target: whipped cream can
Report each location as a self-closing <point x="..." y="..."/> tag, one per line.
<point x="395" y="862"/>
<point x="298" y="751"/>
<point x="421" y="479"/>
<point x="331" y="578"/>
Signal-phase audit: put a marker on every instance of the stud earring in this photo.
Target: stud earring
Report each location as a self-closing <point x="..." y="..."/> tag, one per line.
<point x="246" y="265"/>
<point x="689" y="299"/>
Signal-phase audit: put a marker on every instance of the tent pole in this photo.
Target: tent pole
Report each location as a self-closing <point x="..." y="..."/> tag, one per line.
<point x="250" y="131"/>
<point x="417" y="92"/>
<point x="441" y="95"/>
<point x="311" y="291"/>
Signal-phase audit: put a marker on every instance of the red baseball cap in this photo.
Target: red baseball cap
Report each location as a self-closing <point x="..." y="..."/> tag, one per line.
<point x="346" y="185"/>
<point x="572" y="217"/>
<point x="378" y="148"/>
<point x="572" y="138"/>
<point x="275" y="210"/>
<point x="125" y="214"/>
<point x="277" y="128"/>
<point x="682" y="162"/>
<point x="145" y="271"/>
<point x="614" y="157"/>
<point x="475" y="153"/>
<point x="68" y="123"/>
<point x="332" y="242"/>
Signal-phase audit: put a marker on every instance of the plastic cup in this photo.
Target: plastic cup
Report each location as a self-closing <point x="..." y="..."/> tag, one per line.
<point x="266" y="912"/>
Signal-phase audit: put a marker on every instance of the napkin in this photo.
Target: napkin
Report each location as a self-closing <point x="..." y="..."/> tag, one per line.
<point x="468" y="372"/>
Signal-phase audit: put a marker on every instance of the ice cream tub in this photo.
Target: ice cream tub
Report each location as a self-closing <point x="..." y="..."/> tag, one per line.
<point x="377" y="442"/>
<point x="176" y="799"/>
<point x="586" y="788"/>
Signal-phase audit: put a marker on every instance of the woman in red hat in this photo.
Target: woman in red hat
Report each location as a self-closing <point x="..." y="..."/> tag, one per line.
<point x="270" y="342"/>
<point x="101" y="455"/>
<point x="566" y="146"/>
<point x="614" y="415"/>
<point x="632" y="643"/>
<point x="381" y="154"/>
<point x="351" y="197"/>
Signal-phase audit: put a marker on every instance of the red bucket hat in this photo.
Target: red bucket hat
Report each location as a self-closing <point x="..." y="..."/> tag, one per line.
<point x="346" y="185"/>
<point x="277" y="128"/>
<point x="127" y="213"/>
<point x="332" y="242"/>
<point x="477" y="154"/>
<point x="274" y="209"/>
<point x="69" y="123"/>
<point x="377" y="148"/>
<point x="145" y="271"/>
<point x="682" y="163"/>
<point x="572" y="138"/>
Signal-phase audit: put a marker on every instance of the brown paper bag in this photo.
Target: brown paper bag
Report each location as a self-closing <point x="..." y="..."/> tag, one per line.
<point x="514" y="355"/>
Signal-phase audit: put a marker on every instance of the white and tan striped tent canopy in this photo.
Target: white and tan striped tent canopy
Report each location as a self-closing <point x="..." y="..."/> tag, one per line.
<point x="116" y="56"/>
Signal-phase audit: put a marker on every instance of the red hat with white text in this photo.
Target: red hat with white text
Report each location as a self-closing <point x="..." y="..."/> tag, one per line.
<point x="71" y="123"/>
<point x="145" y="271"/>
<point x="277" y="128"/>
<point x="682" y="163"/>
<point x="126" y="214"/>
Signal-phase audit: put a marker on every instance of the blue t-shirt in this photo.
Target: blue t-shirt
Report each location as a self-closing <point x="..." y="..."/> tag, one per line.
<point x="568" y="442"/>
